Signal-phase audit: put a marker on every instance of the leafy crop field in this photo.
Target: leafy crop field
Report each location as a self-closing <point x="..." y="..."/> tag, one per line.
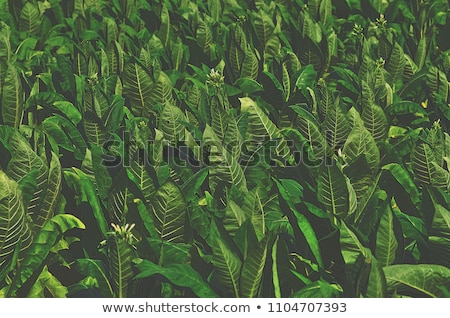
<point x="224" y="148"/>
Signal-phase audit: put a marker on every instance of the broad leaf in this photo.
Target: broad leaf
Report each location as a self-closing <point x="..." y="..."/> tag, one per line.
<point x="226" y="168"/>
<point x="169" y="209"/>
<point x="252" y="270"/>
<point x="375" y="121"/>
<point x="319" y="289"/>
<point x="386" y="241"/>
<point x="361" y="143"/>
<point x="405" y="180"/>
<point x="336" y="126"/>
<point x="23" y="161"/>
<point x="333" y="192"/>
<point x="85" y="191"/>
<point x="47" y="237"/>
<point x="12" y="98"/>
<point x="426" y="169"/>
<point x="95" y="269"/>
<point x="181" y="275"/>
<point x="261" y="128"/>
<point x="227" y="265"/>
<point x="47" y="283"/>
<point x="170" y="123"/>
<point x="52" y="194"/>
<point x="30" y="20"/>
<point x="137" y="88"/>
<point x="417" y="280"/>
<point x="12" y="218"/>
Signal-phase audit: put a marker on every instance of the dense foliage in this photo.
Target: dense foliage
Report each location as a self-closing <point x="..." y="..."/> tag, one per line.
<point x="224" y="148"/>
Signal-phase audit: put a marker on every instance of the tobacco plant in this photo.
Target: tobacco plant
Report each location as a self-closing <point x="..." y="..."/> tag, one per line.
<point x="224" y="148"/>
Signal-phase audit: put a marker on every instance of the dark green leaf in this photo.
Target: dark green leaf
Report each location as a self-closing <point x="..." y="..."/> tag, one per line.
<point x="181" y="275"/>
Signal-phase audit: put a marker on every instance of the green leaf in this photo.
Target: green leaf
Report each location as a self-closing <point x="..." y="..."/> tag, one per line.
<point x="252" y="270"/>
<point x="47" y="282"/>
<point x="351" y="247"/>
<point x="386" y="241"/>
<point x="68" y="109"/>
<point x="435" y="140"/>
<point x="441" y="221"/>
<point x="137" y="87"/>
<point x="405" y="108"/>
<point x="204" y="36"/>
<point x="292" y="193"/>
<point x="250" y="64"/>
<point x="52" y="194"/>
<point x="275" y="275"/>
<point x="161" y="92"/>
<point x="113" y="116"/>
<point x="170" y="123"/>
<point x="439" y="250"/>
<point x="28" y="185"/>
<point x="363" y="272"/>
<point x="306" y="77"/>
<point x="412" y="227"/>
<point x="30" y="20"/>
<point x="23" y="161"/>
<point x="120" y="256"/>
<point x="261" y="128"/>
<point x="165" y="27"/>
<point x="425" y="168"/>
<point x="12" y="98"/>
<point x="94" y="129"/>
<point x="311" y="54"/>
<point x="85" y="191"/>
<point x="309" y="128"/>
<point x="193" y="184"/>
<point x="146" y="218"/>
<point x="169" y="209"/>
<point x="421" y="51"/>
<point x="405" y="180"/>
<point x="227" y="265"/>
<point x="5" y="44"/>
<point x="376" y="286"/>
<point x="379" y="5"/>
<point x="219" y="122"/>
<point x="215" y="10"/>
<point x="234" y="217"/>
<point x="226" y="168"/>
<point x="181" y="275"/>
<point x="332" y="191"/>
<point x="137" y="172"/>
<point x="248" y="85"/>
<point x="364" y="183"/>
<point x="38" y="252"/>
<point x="238" y="46"/>
<point x="375" y="121"/>
<point x="437" y="82"/>
<point x="396" y="63"/>
<point x="336" y="127"/>
<point x="361" y="143"/>
<point x="12" y="218"/>
<point x="264" y="26"/>
<point x="325" y="11"/>
<point x="115" y="54"/>
<point x="103" y="180"/>
<point x="286" y="80"/>
<point x="319" y="289"/>
<point x="417" y="280"/>
<point x="178" y="54"/>
<point x="64" y="134"/>
<point x="95" y="269"/>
